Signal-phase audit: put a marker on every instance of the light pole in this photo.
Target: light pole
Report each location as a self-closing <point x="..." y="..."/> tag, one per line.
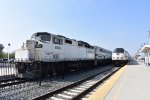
<point x="148" y="33"/>
<point x="8" y="50"/>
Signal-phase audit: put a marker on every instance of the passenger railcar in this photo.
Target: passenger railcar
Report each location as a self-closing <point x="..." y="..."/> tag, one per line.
<point x="120" y="57"/>
<point x="55" y="54"/>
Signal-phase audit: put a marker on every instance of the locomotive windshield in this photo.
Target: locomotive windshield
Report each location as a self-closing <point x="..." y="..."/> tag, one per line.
<point x="119" y="50"/>
<point x="42" y="36"/>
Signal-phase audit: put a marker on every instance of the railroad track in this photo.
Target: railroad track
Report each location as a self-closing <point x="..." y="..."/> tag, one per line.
<point x="13" y="81"/>
<point x="78" y="89"/>
<point x="7" y="80"/>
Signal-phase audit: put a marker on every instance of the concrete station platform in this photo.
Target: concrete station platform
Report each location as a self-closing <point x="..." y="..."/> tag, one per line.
<point x="132" y="82"/>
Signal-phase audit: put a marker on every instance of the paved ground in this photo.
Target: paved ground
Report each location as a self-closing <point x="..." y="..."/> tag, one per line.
<point x="134" y="84"/>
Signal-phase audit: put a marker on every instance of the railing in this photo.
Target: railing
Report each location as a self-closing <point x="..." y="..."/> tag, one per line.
<point x="7" y="70"/>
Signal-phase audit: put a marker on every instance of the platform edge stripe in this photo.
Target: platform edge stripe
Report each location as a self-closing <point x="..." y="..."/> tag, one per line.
<point x="102" y="92"/>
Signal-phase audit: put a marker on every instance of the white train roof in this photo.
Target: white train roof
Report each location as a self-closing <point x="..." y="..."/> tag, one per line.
<point x="103" y="49"/>
<point x="80" y="42"/>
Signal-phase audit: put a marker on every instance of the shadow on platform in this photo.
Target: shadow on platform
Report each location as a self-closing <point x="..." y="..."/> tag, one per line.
<point x="133" y="62"/>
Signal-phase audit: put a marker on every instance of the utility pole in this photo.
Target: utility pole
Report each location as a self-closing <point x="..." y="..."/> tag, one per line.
<point x="1" y="48"/>
<point x="148" y="33"/>
<point x="8" y="50"/>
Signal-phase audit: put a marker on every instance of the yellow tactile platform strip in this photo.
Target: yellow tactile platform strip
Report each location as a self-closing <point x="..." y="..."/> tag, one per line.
<point x="102" y="92"/>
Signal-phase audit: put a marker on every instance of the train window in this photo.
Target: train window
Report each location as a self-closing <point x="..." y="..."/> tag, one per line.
<point x="61" y="41"/>
<point x="55" y="56"/>
<point x="45" y="37"/>
<point x="80" y="44"/>
<point x="39" y="46"/>
<point x="57" y="41"/>
<point x="87" y="46"/>
<point x="100" y="50"/>
<point x="119" y="50"/>
<point x="68" y="41"/>
<point x="33" y="36"/>
<point x="42" y="36"/>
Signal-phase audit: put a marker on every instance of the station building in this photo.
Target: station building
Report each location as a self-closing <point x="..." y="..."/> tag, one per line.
<point x="146" y="50"/>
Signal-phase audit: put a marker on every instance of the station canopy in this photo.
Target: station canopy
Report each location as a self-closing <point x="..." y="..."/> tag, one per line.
<point x="145" y="48"/>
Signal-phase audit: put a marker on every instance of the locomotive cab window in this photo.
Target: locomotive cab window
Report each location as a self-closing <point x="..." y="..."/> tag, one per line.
<point x="80" y="44"/>
<point x="42" y="36"/>
<point x="119" y="50"/>
<point x="45" y="38"/>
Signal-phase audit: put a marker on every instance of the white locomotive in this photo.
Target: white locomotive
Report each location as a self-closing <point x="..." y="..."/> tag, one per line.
<point x="56" y="54"/>
<point x="120" y="57"/>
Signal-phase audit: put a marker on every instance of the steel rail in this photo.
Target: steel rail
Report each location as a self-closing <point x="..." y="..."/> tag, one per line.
<point x="42" y="97"/>
<point x="7" y="80"/>
<point x="13" y="82"/>
<point x="80" y="95"/>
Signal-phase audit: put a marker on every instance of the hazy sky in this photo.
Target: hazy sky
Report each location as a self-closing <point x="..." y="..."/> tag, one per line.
<point x="105" y="23"/>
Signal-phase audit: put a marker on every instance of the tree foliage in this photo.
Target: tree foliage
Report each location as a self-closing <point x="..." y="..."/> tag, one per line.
<point x="5" y="55"/>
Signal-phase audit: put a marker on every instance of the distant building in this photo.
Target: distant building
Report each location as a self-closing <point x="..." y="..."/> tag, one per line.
<point x="146" y="50"/>
<point x="140" y="56"/>
<point x="1" y="48"/>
